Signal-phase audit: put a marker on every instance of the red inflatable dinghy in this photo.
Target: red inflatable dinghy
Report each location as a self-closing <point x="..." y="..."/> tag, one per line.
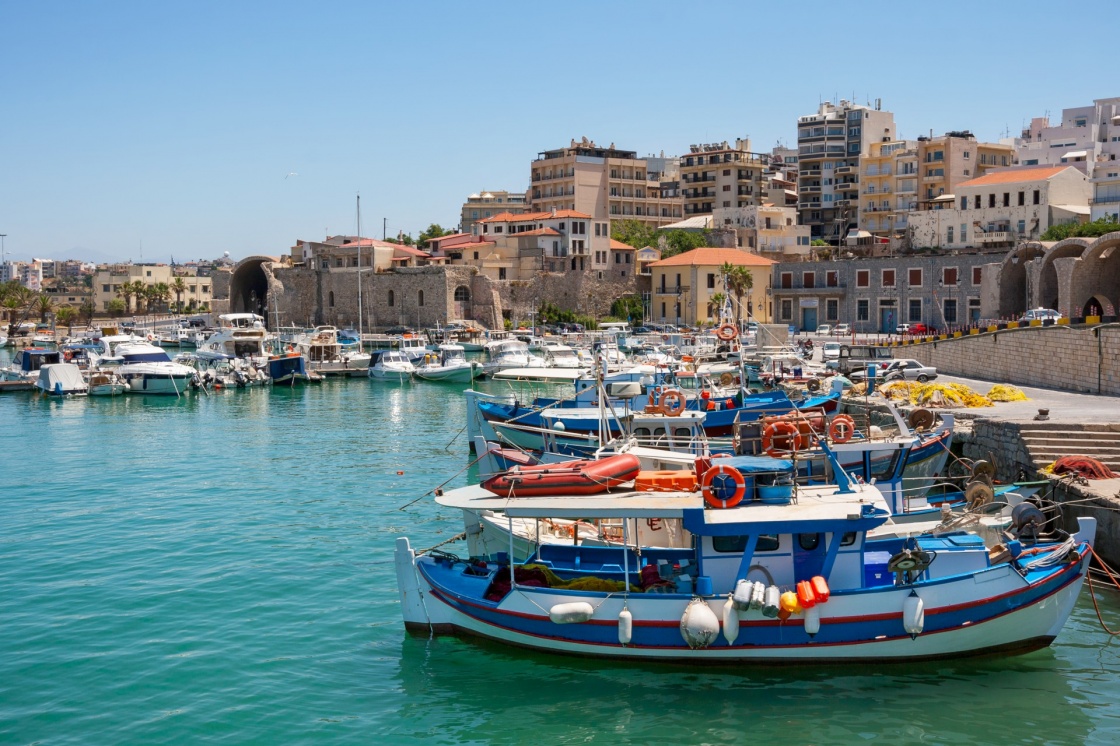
<point x="582" y="477"/>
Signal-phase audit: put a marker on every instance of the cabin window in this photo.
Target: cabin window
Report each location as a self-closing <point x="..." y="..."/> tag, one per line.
<point x="681" y="432"/>
<point x="808" y="542"/>
<point x="848" y="539"/>
<point x="641" y="432"/>
<point x="658" y="432"/>
<point x="766" y="543"/>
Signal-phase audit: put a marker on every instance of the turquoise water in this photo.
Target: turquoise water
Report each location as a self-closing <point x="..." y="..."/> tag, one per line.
<point x="220" y="570"/>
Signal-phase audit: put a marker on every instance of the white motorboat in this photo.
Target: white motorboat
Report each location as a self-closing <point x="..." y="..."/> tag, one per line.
<point x="25" y="367"/>
<point x="106" y="383"/>
<point x="239" y="335"/>
<point x="562" y="356"/>
<point x="148" y="369"/>
<point x="449" y="363"/>
<point x="413" y="346"/>
<point x="509" y="353"/>
<point x="391" y="365"/>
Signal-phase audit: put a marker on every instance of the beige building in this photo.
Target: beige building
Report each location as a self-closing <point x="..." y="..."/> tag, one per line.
<point x="516" y="247"/>
<point x="888" y="177"/>
<point x="770" y="230"/>
<point x="603" y="183"/>
<point x="719" y="175"/>
<point x="830" y="144"/>
<point x="683" y="286"/>
<point x="1003" y="208"/>
<point x="108" y="279"/>
<point x="487" y="204"/>
<point x="953" y="158"/>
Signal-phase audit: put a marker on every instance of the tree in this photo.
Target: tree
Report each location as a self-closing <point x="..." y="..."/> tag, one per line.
<point x="125" y="292"/>
<point x="16" y="301"/>
<point x="43" y="305"/>
<point x="678" y="242"/>
<point x="715" y="305"/>
<point x="435" y="230"/>
<point x="179" y="286"/>
<point x="628" y="307"/>
<point x="738" y="281"/>
<point x="116" y="307"/>
<point x="67" y="315"/>
<point x="819" y="242"/>
<point x="1094" y="229"/>
<point x="634" y="233"/>
<point x="160" y="293"/>
<point x="88" y="309"/>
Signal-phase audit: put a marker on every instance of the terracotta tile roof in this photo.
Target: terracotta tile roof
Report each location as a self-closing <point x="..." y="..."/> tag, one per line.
<point x="532" y="217"/>
<point x="472" y="245"/>
<point x="707" y="256"/>
<point x="619" y="246"/>
<point x="408" y="250"/>
<point x="1015" y="175"/>
<point x="538" y="232"/>
<point x="449" y="237"/>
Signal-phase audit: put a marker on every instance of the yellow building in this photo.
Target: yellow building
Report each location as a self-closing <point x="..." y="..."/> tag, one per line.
<point x="888" y="181"/>
<point x="683" y="286"/>
<point x="108" y="279"/>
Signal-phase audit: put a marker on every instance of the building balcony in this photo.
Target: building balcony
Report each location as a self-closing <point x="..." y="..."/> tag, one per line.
<point x="1106" y="200"/>
<point x="995" y="237"/>
<point x="840" y="289"/>
<point x="845" y="170"/>
<point x="810" y="189"/>
<point x="809" y="172"/>
<point x="931" y="179"/>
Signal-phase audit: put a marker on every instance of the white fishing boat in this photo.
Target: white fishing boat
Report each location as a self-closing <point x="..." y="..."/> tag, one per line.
<point x="25" y="367"/>
<point x="327" y="355"/>
<point x="239" y="335"/>
<point x="391" y="365"/>
<point x="448" y="363"/>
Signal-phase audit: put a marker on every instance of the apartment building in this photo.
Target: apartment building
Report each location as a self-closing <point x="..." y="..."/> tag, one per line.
<point x="721" y="175"/>
<point x="830" y="144"/>
<point x="888" y="178"/>
<point x="604" y="183"/>
<point x="487" y="204"/>
<point x="769" y="230"/>
<point x="953" y="158"/>
<point x="515" y="247"/>
<point x="683" y="286"/>
<point x="108" y="279"/>
<point x="1003" y="208"/>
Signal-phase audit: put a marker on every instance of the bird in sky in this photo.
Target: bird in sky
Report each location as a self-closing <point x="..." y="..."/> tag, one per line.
<point x="291" y="173"/>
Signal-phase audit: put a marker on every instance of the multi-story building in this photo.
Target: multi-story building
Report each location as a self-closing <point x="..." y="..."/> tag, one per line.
<point x="683" y="286"/>
<point x="1003" y="208"/>
<point x="514" y="247"/>
<point x="888" y="179"/>
<point x="877" y="294"/>
<point x="770" y="230"/>
<point x="953" y="158"/>
<point x="487" y="204"/>
<point x="829" y="146"/>
<point x="108" y="280"/>
<point x="719" y="175"/>
<point x="9" y="271"/>
<point x="603" y="183"/>
<point x="1105" y="202"/>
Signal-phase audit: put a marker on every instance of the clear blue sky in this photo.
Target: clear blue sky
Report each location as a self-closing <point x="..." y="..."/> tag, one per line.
<point x="171" y="125"/>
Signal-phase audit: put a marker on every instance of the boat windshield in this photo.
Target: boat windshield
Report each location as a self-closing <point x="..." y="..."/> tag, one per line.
<point x="146" y="357"/>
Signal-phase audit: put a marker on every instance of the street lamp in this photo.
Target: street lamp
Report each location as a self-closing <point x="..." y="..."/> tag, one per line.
<point x="3" y="256"/>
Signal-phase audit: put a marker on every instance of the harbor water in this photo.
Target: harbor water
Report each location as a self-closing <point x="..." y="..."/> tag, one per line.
<point x="219" y="569"/>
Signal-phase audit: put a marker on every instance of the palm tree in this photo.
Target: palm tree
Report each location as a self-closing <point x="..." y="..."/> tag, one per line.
<point x="16" y="300"/>
<point x="179" y="286"/>
<point x="43" y="305"/>
<point x="126" y="291"/>
<point x="715" y="305"/>
<point x="67" y="315"/>
<point x="738" y="281"/>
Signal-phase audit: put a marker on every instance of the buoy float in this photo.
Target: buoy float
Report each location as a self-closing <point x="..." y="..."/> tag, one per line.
<point x="672" y="403"/>
<point x="730" y="621"/>
<point x="805" y="595"/>
<point x="841" y="428"/>
<point x="820" y="589"/>
<point x="723" y="487"/>
<point x="781" y="437"/>
<point x="758" y="595"/>
<point x="625" y="626"/>
<point x="812" y="621"/>
<point x="741" y="598"/>
<point x="699" y="624"/>
<point x="571" y="613"/>
<point x="727" y="332"/>
<point x="789" y="603"/>
<point x="913" y="615"/>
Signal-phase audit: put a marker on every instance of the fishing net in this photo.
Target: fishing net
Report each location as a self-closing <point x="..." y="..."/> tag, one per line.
<point x="1085" y="466"/>
<point x="1005" y="392"/>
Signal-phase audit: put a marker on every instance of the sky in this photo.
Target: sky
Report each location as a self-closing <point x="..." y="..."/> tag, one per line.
<point x="151" y="131"/>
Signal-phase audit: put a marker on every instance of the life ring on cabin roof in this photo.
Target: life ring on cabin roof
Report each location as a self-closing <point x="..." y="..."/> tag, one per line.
<point x="842" y="428"/>
<point x="727" y="332"/>
<point x="726" y="379"/>
<point x="781" y="437"/>
<point x="723" y="486"/>
<point x="672" y="403"/>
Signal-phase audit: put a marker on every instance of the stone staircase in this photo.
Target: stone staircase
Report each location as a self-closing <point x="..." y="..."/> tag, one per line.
<point x="1048" y="441"/>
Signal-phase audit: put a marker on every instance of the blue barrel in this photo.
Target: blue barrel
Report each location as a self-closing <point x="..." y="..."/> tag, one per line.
<point x="703" y="585"/>
<point x="872" y="369"/>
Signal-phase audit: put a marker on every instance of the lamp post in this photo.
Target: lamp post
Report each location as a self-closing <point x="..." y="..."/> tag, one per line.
<point x="3" y="256"/>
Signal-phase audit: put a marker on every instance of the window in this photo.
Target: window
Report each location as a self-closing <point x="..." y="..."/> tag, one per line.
<point x="1007" y="199"/>
<point x="977" y="275"/>
<point x="727" y="187"/>
<point x="832" y="278"/>
<point x="966" y="155"/>
<point x="832" y="309"/>
<point x="888" y="278"/>
<point x="104" y="288"/>
<point x="420" y="293"/>
<point x="808" y="279"/>
<point x="476" y="255"/>
<point x="949" y="235"/>
<point x="737" y="544"/>
<point x="991" y="200"/>
<point x="1022" y="227"/>
<point x="863" y="278"/>
<point x="787" y="279"/>
<point x="950" y="306"/>
<point x="949" y="276"/>
<point x="964" y="203"/>
<point x="392" y="299"/>
<point x="462" y="293"/>
<point x="915" y="309"/>
<point x="863" y="312"/>
<point x="1036" y="196"/>
<point x="330" y="299"/>
<point x="915" y="278"/>
<point x="808" y="542"/>
<point x="787" y="310"/>
<point x="711" y="280"/>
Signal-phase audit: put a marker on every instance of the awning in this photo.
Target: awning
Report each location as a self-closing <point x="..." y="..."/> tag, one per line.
<point x="858" y="234"/>
<point x="943" y="198"/>
<point x="1075" y="209"/>
<point x="1076" y="154"/>
<point x="790" y="192"/>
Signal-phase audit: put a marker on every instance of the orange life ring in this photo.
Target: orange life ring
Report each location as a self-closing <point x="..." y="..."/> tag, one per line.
<point x="655" y="396"/>
<point x="672" y="403"/>
<point x="782" y="433"/>
<point x="727" y="473"/>
<point x="727" y="332"/>
<point x="842" y="428"/>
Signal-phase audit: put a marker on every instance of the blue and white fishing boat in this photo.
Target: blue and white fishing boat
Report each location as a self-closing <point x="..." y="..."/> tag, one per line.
<point x="771" y="573"/>
<point x="290" y="369"/>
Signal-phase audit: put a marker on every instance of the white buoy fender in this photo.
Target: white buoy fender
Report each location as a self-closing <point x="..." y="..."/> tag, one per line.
<point x="625" y="626"/>
<point x="770" y="605"/>
<point x="742" y="596"/>
<point x="572" y="613"/>
<point x="758" y="595"/>
<point x="812" y="620"/>
<point x="699" y="624"/>
<point x="913" y="615"/>
<point x="730" y="622"/>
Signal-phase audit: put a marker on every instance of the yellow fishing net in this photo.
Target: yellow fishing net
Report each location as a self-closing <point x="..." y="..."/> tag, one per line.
<point x="588" y="583"/>
<point x="933" y="394"/>
<point x="1005" y="392"/>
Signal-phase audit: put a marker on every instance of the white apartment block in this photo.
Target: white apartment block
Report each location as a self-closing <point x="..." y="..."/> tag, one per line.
<point x="769" y="230"/>
<point x="1003" y="208"/>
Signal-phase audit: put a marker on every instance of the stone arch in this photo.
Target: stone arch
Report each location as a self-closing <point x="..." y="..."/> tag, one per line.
<point x="1095" y="306"/>
<point x="1013" y="299"/>
<point x="462" y="293"/>
<point x="1097" y="279"/>
<point x="248" y="286"/>
<point x="1047" y="294"/>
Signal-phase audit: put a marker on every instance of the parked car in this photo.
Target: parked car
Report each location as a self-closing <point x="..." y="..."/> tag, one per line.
<point x="398" y="330"/>
<point x="842" y="330"/>
<point x="824" y="329"/>
<point x="910" y="370"/>
<point x="902" y="329"/>
<point x="830" y="354"/>
<point x="1039" y="314"/>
